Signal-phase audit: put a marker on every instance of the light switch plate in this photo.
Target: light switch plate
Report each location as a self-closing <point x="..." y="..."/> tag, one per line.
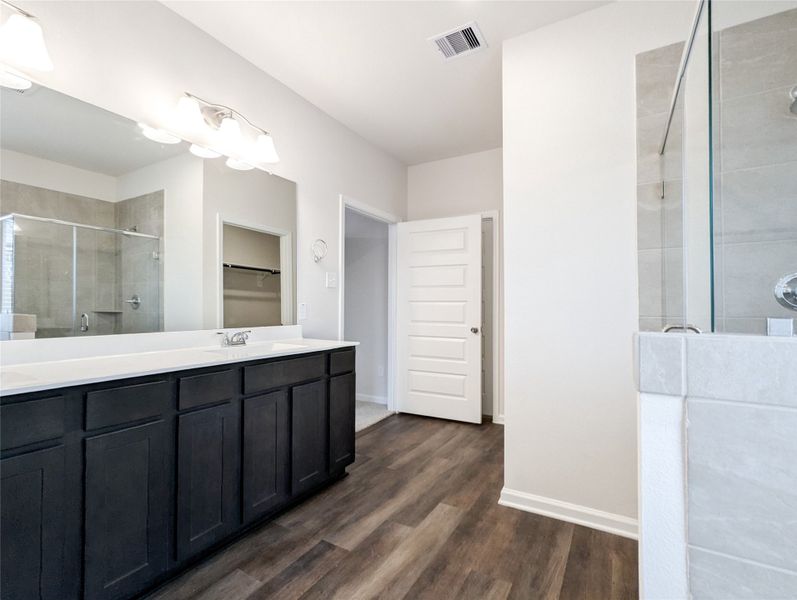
<point x="332" y="279"/>
<point x="302" y="311"/>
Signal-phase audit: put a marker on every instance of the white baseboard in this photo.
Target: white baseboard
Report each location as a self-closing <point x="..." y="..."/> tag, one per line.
<point x="498" y="420"/>
<point x="572" y="513"/>
<point x="370" y="398"/>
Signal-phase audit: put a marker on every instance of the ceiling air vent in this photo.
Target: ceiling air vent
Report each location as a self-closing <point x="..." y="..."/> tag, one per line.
<point x="460" y="41"/>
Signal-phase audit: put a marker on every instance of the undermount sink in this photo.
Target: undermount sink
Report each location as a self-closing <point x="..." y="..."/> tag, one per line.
<point x="280" y="346"/>
<point x="255" y="349"/>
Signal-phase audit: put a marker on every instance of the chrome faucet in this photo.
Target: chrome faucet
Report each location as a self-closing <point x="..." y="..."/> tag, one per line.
<point x="236" y="339"/>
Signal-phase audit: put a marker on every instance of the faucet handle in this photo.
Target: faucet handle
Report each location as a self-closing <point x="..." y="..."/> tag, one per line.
<point x="226" y="339"/>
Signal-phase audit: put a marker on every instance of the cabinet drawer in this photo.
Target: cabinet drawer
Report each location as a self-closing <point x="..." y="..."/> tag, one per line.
<point x="283" y="372"/>
<point x="126" y="404"/>
<point x="198" y="390"/>
<point x="341" y="362"/>
<point x="33" y="421"/>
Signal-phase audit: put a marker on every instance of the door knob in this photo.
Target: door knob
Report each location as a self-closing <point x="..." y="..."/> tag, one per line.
<point x="474" y="330"/>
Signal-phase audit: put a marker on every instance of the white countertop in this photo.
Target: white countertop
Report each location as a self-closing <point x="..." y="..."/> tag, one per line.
<point x="19" y="378"/>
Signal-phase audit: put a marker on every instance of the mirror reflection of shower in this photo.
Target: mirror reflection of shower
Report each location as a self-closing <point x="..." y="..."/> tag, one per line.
<point x="95" y="276"/>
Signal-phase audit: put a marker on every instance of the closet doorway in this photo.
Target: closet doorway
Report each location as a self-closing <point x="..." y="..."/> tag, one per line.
<point x="367" y="305"/>
<point x="255" y="277"/>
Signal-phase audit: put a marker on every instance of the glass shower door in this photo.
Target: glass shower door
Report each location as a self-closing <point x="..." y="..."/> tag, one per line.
<point x="117" y="282"/>
<point x="96" y="288"/>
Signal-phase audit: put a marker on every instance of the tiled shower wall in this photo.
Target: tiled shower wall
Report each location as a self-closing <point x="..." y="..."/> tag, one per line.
<point x="755" y="200"/>
<point x="659" y="219"/>
<point x="107" y="268"/>
<point x="738" y="412"/>
<point x="755" y="217"/>
<point x="139" y="271"/>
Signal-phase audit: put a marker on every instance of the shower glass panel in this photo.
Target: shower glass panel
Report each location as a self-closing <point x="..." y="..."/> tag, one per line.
<point x="717" y="243"/>
<point x="754" y="85"/>
<point x="80" y="280"/>
<point x="696" y="160"/>
<point x="670" y="260"/>
<point x="38" y="273"/>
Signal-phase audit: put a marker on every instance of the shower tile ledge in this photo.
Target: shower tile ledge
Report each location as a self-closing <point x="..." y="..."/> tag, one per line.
<point x="727" y="367"/>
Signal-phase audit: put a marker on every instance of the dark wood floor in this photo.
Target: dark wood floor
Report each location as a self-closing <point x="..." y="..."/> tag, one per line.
<point x="417" y="518"/>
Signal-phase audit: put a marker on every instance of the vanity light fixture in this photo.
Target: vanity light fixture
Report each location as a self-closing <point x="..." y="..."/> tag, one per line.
<point x="22" y="41"/>
<point x="188" y="116"/>
<point x="238" y="165"/>
<point x="226" y="130"/>
<point x="13" y="81"/>
<point x="229" y="134"/>
<point x="203" y="152"/>
<point x="158" y="135"/>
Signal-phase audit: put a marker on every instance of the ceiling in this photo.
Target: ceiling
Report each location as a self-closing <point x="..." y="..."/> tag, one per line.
<point x="370" y="64"/>
<point x="47" y="124"/>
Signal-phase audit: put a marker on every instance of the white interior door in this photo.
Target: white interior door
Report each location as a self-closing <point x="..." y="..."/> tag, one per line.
<point x="438" y="318"/>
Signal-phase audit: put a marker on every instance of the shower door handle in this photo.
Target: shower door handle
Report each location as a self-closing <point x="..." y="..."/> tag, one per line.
<point x="84" y="322"/>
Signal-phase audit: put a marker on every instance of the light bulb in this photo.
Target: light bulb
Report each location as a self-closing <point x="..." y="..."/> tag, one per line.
<point x="229" y="135"/>
<point x="22" y="44"/>
<point x="265" y="150"/>
<point x="13" y="81"/>
<point x="203" y="152"/>
<point x="158" y="135"/>
<point x="188" y="116"/>
<point x="238" y="165"/>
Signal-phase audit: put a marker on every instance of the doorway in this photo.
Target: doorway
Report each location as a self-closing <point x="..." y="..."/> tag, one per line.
<point x="366" y="263"/>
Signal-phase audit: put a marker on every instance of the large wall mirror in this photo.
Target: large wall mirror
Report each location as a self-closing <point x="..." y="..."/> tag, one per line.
<point x="105" y="231"/>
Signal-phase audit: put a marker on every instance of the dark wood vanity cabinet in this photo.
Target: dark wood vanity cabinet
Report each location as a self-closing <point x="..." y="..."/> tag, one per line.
<point x="266" y="453"/>
<point x="208" y="478"/>
<point x="127" y="508"/>
<point x="110" y="489"/>
<point x="32" y="536"/>
<point x="308" y="436"/>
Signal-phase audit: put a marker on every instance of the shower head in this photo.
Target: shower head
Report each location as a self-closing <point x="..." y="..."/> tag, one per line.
<point x="793" y="96"/>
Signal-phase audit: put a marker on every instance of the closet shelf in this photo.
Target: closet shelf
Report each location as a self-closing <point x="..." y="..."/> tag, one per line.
<point x="251" y="268"/>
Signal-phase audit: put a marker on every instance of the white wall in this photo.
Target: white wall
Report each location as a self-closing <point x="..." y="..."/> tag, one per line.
<point x="366" y="305"/>
<point x="180" y="178"/>
<point x="137" y="58"/>
<point x="39" y="172"/>
<point x="463" y="185"/>
<point x="570" y="260"/>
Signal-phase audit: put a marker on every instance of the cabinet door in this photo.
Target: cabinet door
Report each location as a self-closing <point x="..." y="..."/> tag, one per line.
<point x="32" y="525"/>
<point x="266" y="428"/>
<point x="127" y="508"/>
<point x="309" y="436"/>
<point x="341" y="422"/>
<point x="208" y="472"/>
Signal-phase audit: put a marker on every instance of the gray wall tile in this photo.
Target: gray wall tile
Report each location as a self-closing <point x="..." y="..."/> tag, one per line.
<point x="759" y="55"/>
<point x="759" y="204"/>
<point x="661" y="364"/>
<point x="758" y="130"/>
<point x="716" y="577"/>
<point x="742" y="471"/>
<point x="750" y="272"/>
<point x="659" y="221"/>
<point x="655" y="77"/>
<point x="742" y="369"/>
